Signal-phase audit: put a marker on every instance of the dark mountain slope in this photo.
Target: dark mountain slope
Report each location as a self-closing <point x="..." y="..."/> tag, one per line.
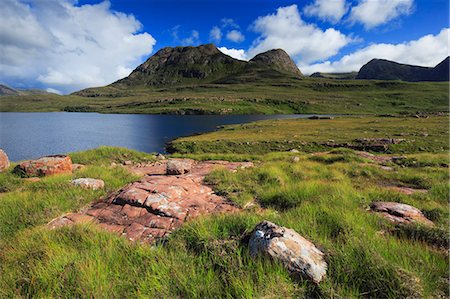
<point x="382" y="69"/>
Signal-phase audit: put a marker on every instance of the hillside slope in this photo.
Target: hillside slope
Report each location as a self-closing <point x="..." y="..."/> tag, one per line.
<point x="382" y="69"/>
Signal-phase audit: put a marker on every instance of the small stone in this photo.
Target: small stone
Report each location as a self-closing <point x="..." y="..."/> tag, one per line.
<point x="4" y="161"/>
<point x="128" y="162"/>
<point x="400" y="213"/>
<point x="294" y="151"/>
<point x="300" y="256"/>
<point x="113" y="164"/>
<point x="295" y="159"/>
<point x="178" y="167"/>
<point x="88" y="183"/>
<point x="160" y="157"/>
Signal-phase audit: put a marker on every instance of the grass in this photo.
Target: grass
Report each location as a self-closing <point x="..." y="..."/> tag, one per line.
<point x="323" y="197"/>
<point x="310" y="95"/>
<point x="419" y="135"/>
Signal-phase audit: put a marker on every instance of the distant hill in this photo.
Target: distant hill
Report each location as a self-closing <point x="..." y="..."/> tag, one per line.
<point x="8" y="91"/>
<point x="201" y="65"/>
<point x="381" y="69"/>
<point x="338" y="76"/>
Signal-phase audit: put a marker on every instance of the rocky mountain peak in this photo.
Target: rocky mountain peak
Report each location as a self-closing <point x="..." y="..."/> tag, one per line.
<point x="277" y="59"/>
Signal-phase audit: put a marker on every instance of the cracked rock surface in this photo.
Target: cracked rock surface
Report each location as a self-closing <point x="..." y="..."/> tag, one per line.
<point x="157" y="204"/>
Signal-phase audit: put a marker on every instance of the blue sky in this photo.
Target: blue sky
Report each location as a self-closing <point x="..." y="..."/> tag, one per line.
<point x="67" y="45"/>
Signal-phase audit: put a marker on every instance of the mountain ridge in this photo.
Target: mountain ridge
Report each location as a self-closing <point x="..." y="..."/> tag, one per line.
<point x="383" y="69"/>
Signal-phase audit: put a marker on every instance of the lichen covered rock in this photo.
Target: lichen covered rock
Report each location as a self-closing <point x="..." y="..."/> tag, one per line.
<point x="300" y="256"/>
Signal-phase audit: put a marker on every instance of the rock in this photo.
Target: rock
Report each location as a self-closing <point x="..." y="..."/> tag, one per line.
<point x="400" y="213"/>
<point x="88" y="183"/>
<point x="320" y="117"/>
<point x="160" y="157"/>
<point x="178" y="166"/>
<point x="4" y="161"/>
<point x="113" y="164"/>
<point x="295" y="159"/>
<point x="151" y="208"/>
<point x="294" y="151"/>
<point x="407" y="190"/>
<point x="299" y="255"/>
<point x="387" y="168"/>
<point x="45" y="166"/>
<point x="128" y="162"/>
<point x="76" y="167"/>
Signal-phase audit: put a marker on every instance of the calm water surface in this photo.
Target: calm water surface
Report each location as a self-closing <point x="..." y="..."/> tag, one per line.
<point x="32" y="135"/>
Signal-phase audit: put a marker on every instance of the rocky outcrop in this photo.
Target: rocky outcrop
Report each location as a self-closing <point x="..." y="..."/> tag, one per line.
<point x="151" y="208"/>
<point x="300" y="256"/>
<point x="89" y="183"/>
<point x="179" y="166"/>
<point x="368" y="144"/>
<point x="45" y="166"/>
<point x="4" y="161"/>
<point x="399" y="213"/>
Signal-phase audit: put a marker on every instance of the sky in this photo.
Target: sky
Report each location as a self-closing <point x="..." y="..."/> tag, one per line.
<point x="67" y="45"/>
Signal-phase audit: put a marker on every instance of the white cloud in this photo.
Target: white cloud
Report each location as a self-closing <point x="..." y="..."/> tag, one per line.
<point x="227" y="22"/>
<point x="374" y="13"/>
<point x="235" y="53"/>
<point x="52" y="90"/>
<point x="192" y="40"/>
<point x="59" y="45"/>
<point x="215" y="34"/>
<point x="428" y="50"/>
<point x="329" y="10"/>
<point x="305" y="42"/>
<point x="235" y="36"/>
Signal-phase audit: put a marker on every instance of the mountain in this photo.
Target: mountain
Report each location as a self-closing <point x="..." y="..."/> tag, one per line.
<point x="8" y="91"/>
<point x="277" y="59"/>
<point x="206" y="64"/>
<point x="382" y="69"/>
<point x="338" y="76"/>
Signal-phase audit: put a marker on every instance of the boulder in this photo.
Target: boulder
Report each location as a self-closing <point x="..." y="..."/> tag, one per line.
<point x="45" y="166"/>
<point x="4" y="161"/>
<point x="300" y="256"/>
<point x="89" y="183"/>
<point x="400" y="213"/>
<point x="178" y="166"/>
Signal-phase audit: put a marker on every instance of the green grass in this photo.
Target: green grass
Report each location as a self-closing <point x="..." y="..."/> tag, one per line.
<point x="323" y="197"/>
<point x="266" y="96"/>
<point x="420" y="135"/>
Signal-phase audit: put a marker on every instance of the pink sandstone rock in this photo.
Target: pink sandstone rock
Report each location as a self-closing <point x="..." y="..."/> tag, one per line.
<point x="400" y="213"/>
<point x="45" y="166"/>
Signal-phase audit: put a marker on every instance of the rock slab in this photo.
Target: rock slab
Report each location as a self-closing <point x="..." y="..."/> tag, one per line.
<point x="300" y="256"/>
<point x="400" y="213"/>
<point x="4" y="161"/>
<point x="89" y="183"/>
<point x="151" y="208"/>
<point x="45" y="166"/>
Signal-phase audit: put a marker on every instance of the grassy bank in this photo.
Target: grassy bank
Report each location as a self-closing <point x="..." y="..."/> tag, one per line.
<point x="418" y="135"/>
<point x="323" y="197"/>
<point x="266" y="97"/>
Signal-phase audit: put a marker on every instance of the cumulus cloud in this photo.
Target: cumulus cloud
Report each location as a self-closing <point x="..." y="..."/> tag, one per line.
<point x="215" y="34"/>
<point x="305" y="42"/>
<point x="328" y="10"/>
<point x="227" y="22"/>
<point x="192" y="39"/>
<point x="240" y="54"/>
<point x="62" y="46"/>
<point x="374" y="13"/>
<point x="428" y="50"/>
<point x="235" y="36"/>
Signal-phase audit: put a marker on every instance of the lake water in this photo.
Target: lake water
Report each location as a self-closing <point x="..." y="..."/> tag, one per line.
<point x="32" y="135"/>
